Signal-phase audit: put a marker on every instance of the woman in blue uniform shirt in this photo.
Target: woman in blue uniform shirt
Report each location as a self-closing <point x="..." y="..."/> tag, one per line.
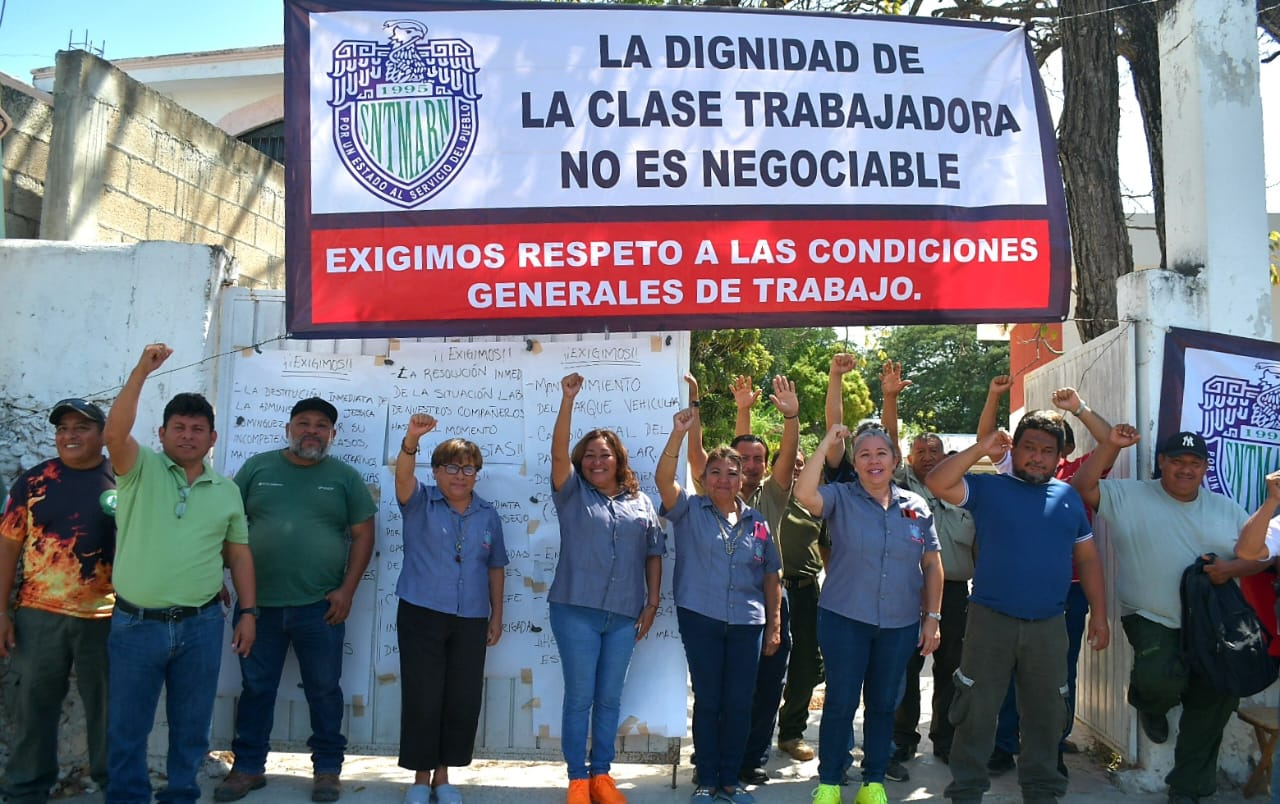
<point x="880" y="602"/>
<point x="605" y="593"/>
<point x="450" y="591"/>
<point x="728" y="593"/>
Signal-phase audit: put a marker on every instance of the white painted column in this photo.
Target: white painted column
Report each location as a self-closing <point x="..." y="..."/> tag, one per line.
<point x="1215" y="185"/>
<point x="1216" y="238"/>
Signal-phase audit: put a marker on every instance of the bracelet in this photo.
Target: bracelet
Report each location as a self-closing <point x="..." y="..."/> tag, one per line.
<point x="1083" y="409"/>
<point x="785" y="416"/>
<point x="669" y="455"/>
<point x="653" y="606"/>
<point x="934" y="615"/>
<point x="408" y="451"/>
<point x="695" y="403"/>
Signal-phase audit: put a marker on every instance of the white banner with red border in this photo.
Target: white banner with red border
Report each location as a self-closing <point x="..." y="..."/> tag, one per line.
<point x="489" y="167"/>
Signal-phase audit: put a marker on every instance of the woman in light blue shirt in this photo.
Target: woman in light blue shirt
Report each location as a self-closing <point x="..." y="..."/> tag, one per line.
<point x="605" y="593"/>
<point x="450" y="591"/>
<point x="880" y="602"/>
<point x="728" y="592"/>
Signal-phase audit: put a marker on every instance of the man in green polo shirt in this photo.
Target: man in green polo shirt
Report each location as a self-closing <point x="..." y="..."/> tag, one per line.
<point x="302" y="504"/>
<point x="178" y="523"/>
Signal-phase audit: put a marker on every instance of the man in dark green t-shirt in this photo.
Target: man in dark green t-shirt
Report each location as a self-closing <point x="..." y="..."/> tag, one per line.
<point x="301" y="504"/>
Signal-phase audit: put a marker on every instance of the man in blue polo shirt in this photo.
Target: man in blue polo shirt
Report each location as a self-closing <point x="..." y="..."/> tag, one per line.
<point x="1030" y="527"/>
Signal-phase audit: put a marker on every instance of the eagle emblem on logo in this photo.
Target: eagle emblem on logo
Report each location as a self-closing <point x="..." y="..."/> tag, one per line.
<point x="405" y="118"/>
<point x="1240" y="420"/>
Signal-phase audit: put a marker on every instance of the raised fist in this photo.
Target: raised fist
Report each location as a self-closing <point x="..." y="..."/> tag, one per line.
<point x="420" y="424"/>
<point x="1066" y="399"/>
<point x="843" y="363"/>
<point x="571" y="385"/>
<point x="153" y="356"/>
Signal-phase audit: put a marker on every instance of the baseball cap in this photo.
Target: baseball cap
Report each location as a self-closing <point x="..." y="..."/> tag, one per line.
<point x="317" y="404"/>
<point x="1184" y="443"/>
<point x="89" y="410"/>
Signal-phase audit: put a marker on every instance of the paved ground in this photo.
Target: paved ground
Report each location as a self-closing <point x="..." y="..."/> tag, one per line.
<point x="378" y="779"/>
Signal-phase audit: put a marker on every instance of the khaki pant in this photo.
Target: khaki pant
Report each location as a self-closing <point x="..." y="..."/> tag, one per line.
<point x="39" y="678"/>
<point x="1034" y="653"/>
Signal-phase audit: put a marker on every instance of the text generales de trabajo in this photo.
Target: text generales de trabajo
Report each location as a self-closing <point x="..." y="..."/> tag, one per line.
<point x="673" y="291"/>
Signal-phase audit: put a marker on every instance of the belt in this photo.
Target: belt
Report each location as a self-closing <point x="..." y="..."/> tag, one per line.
<point x="171" y="614"/>
<point x="799" y="583"/>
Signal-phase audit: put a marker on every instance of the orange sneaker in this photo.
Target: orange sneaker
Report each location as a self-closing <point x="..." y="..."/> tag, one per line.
<point x="604" y="791"/>
<point x="579" y="792"/>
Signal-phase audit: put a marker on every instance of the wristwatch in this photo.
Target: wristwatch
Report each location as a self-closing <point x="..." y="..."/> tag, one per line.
<point x="250" y="610"/>
<point x="934" y="615"/>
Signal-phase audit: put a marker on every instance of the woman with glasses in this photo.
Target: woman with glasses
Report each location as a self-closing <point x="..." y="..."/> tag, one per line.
<point x="879" y="604"/>
<point x="605" y="593"/>
<point x="728" y="591"/>
<point x="450" y="591"/>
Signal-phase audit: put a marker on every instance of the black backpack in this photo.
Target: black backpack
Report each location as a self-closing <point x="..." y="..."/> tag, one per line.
<point x="1222" y="639"/>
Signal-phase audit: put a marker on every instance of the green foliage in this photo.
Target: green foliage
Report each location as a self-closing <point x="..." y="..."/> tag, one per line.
<point x="1273" y="241"/>
<point x="716" y="357"/>
<point x="802" y="355"/>
<point x="949" y="369"/>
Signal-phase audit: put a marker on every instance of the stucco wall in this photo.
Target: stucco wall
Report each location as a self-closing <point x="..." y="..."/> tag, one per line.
<point x="26" y="155"/>
<point x="75" y="320"/>
<point x="128" y="165"/>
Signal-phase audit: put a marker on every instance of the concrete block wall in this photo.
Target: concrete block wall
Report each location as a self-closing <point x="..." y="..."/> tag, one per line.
<point x="129" y="165"/>
<point x="26" y="155"/>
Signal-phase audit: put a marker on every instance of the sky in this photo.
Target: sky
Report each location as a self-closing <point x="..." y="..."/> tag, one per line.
<point x="33" y="31"/>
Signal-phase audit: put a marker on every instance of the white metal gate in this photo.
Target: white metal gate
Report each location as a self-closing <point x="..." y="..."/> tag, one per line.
<point x="251" y="319"/>
<point x="1103" y="372"/>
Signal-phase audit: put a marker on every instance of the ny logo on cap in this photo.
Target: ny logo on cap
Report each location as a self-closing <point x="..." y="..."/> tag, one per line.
<point x="1188" y="441"/>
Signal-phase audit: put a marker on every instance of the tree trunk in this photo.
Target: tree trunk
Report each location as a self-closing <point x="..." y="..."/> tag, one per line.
<point x="1087" y="143"/>
<point x="1140" y="46"/>
<point x="1269" y="18"/>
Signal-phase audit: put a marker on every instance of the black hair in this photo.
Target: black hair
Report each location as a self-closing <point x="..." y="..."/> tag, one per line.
<point x="749" y="438"/>
<point x="188" y="404"/>
<point x="1044" y="421"/>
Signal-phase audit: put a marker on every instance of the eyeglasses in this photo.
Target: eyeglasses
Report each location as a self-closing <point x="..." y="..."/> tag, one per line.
<point x="181" y="507"/>
<point x="453" y="469"/>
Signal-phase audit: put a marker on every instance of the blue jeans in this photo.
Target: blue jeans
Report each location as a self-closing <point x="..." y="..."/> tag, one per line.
<point x="183" y="657"/>
<point x="595" y="650"/>
<point x="722" y="666"/>
<point x="318" y="647"/>
<point x="1007" y="724"/>
<point x="770" y="676"/>
<point x="864" y="662"/>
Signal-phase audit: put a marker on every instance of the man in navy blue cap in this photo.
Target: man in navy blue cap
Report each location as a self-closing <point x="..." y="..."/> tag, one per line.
<point x="60" y="521"/>
<point x="1158" y="527"/>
